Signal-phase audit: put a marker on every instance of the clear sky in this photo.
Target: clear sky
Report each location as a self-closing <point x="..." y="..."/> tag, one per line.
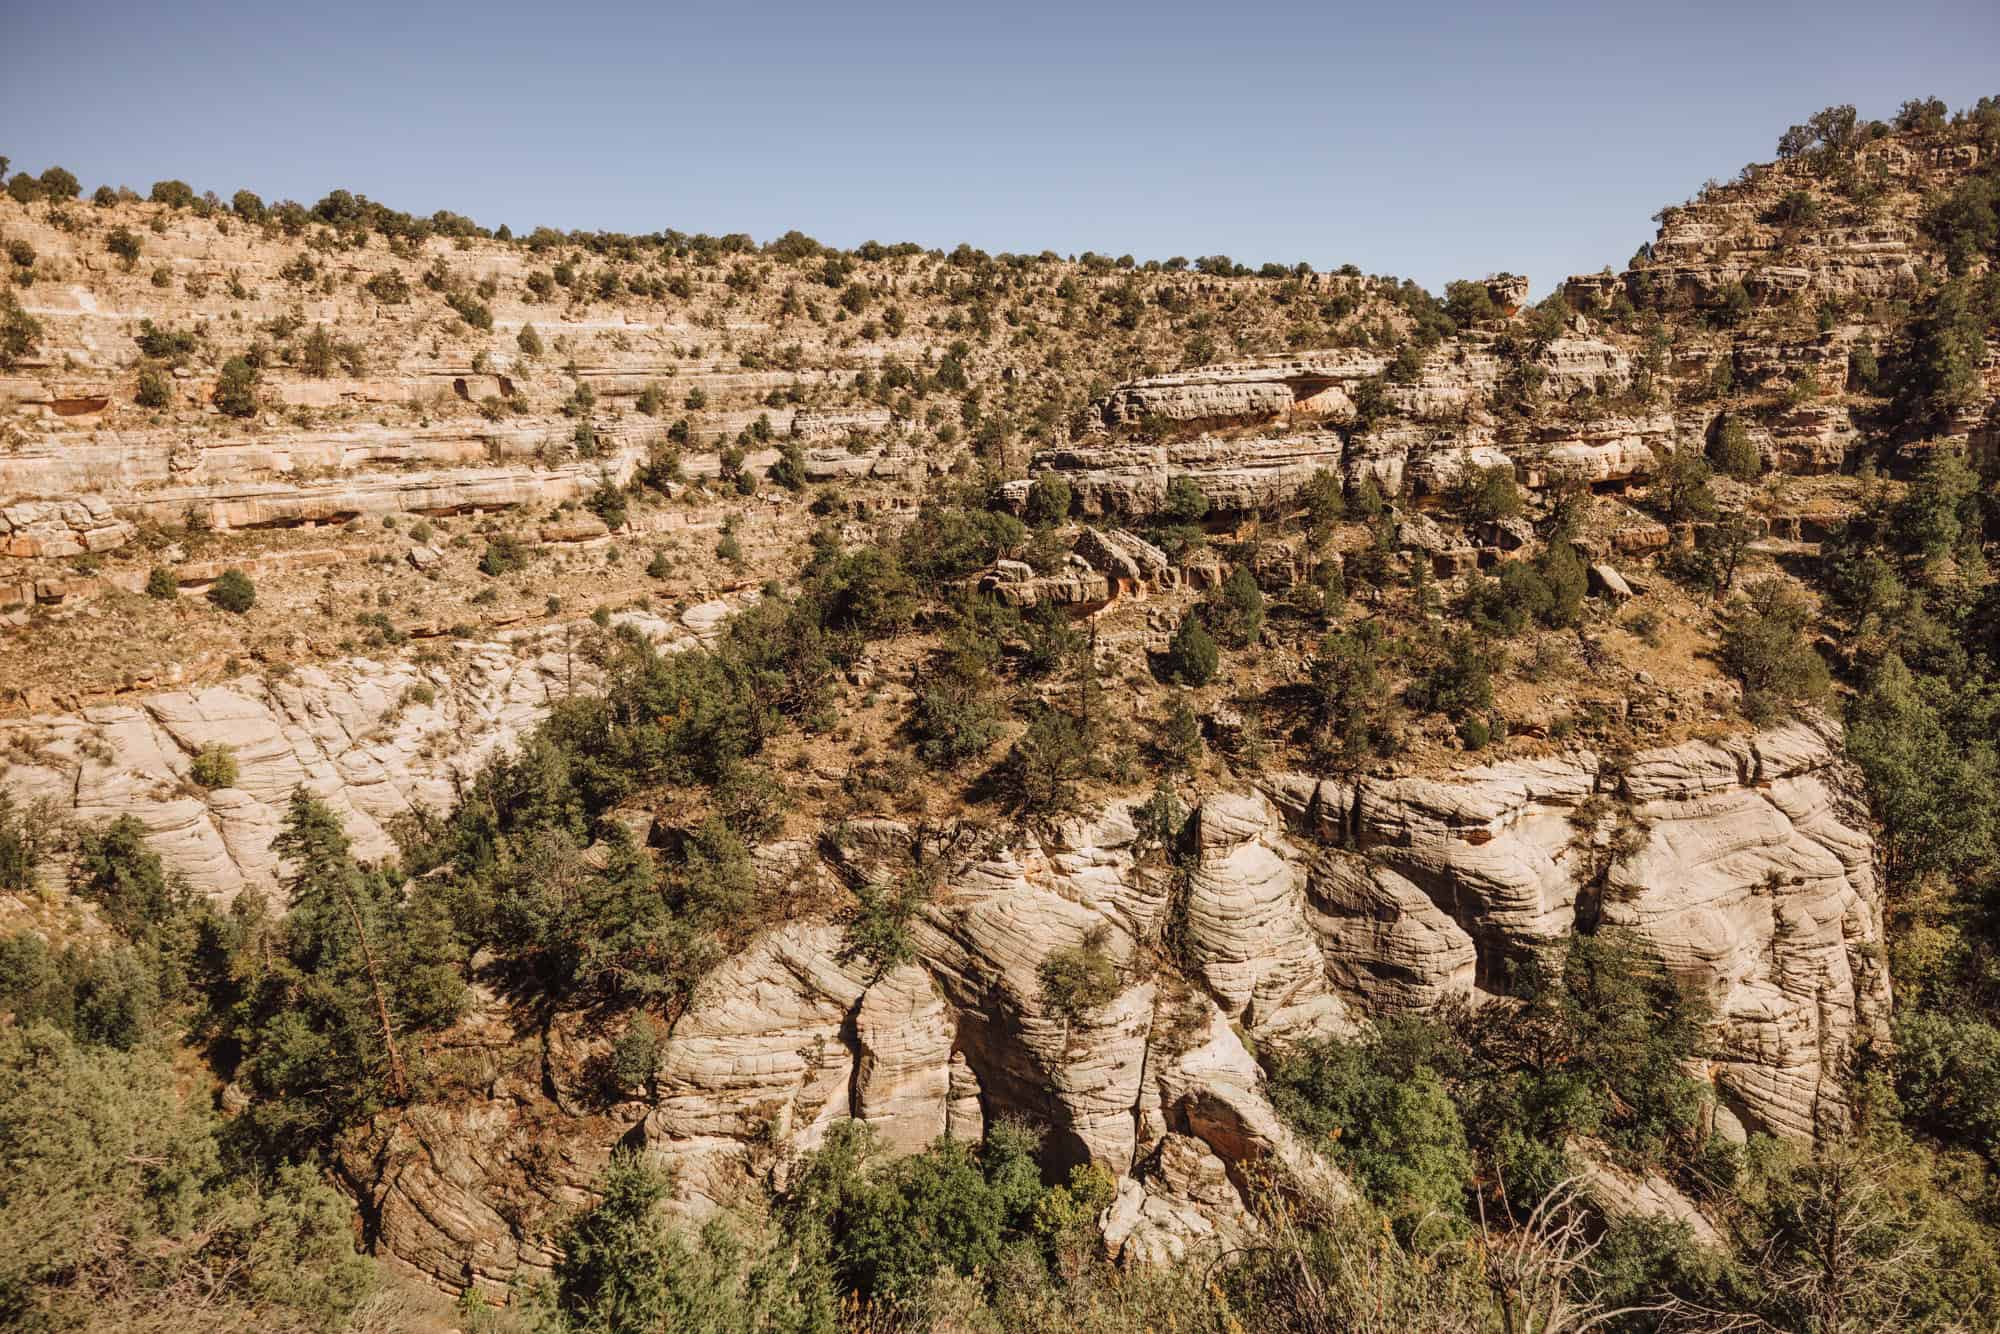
<point x="1427" y="140"/>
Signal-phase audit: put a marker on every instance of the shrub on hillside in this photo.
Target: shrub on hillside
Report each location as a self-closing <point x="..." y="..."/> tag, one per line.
<point x="233" y="592"/>
<point x="1185" y="503"/>
<point x="470" y="309"/>
<point x="1732" y="451"/>
<point x="20" y="332"/>
<point x="1485" y="494"/>
<point x="504" y="554"/>
<point x="1348" y="718"/>
<point x="1192" y="657"/>
<point x="1080" y="978"/>
<point x="789" y="468"/>
<point x="391" y="288"/>
<point x="59" y="184"/>
<point x="213" y="766"/>
<point x="1764" y="645"/>
<point x="1235" y="611"/>
<point x="607" y="502"/>
<point x="236" y="389"/>
<point x="1459" y="681"/>
<point x="122" y="243"/>
<point x="1048" y="501"/>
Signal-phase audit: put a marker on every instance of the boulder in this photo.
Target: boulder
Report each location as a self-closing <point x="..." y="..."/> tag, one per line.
<point x="1607" y="582"/>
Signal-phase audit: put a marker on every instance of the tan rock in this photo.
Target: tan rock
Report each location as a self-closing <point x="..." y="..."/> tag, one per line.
<point x="902" y="1082"/>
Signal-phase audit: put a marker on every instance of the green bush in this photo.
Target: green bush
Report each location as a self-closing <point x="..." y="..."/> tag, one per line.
<point x="161" y="584"/>
<point x="1485" y="494"/>
<point x="955" y="716"/>
<point x="390" y="287"/>
<point x="789" y="469"/>
<point x="59" y="184"/>
<point x="233" y="592"/>
<point x="1795" y="209"/>
<point x="1078" y="979"/>
<point x="607" y="502"/>
<point x="155" y="389"/>
<point x="1048" y="501"/>
<point x="1185" y="503"/>
<point x="1235" y="612"/>
<point x="1348" y="718"/>
<point x="236" y="389"/>
<point x="1459" y="680"/>
<point x="213" y="766"/>
<point x="1177" y="735"/>
<point x="1764" y="646"/>
<point x="878" y="930"/>
<point x="1549" y="589"/>
<point x="1050" y="759"/>
<point x="1468" y="303"/>
<point x="21" y="841"/>
<point x="865" y="592"/>
<point x="951" y="1207"/>
<point x="1053" y="642"/>
<point x="20" y="332"/>
<point x="1681" y="486"/>
<point x="1732" y="451"/>
<point x="173" y="346"/>
<point x="1948" y="1077"/>
<point x="1938" y="374"/>
<point x="952" y="539"/>
<point x="119" y="1206"/>
<point x="470" y="309"/>
<point x="504" y="554"/>
<point x="1192" y="658"/>
<point x="1325" y="503"/>
<point x="1387" y="1119"/>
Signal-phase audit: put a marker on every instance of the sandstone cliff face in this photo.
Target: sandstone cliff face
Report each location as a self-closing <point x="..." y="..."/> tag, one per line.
<point x="1564" y="409"/>
<point x="1278" y="420"/>
<point x="1299" y="907"/>
<point x="359" y="734"/>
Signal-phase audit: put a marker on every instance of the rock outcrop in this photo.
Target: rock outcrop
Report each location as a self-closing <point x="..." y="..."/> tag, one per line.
<point x="1298" y="908"/>
<point x="375" y="740"/>
<point x="1744" y="864"/>
<point x="1130" y="480"/>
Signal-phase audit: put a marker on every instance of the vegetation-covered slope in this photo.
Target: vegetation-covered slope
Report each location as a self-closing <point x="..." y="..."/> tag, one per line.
<point x="1411" y="811"/>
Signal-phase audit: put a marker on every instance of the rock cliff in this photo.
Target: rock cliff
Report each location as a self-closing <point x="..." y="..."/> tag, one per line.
<point x="1294" y="907"/>
<point x="374" y="739"/>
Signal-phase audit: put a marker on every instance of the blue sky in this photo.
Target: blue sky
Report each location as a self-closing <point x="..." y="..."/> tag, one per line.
<point x="1427" y="140"/>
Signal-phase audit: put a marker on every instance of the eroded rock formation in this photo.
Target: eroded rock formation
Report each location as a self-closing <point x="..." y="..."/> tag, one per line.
<point x="1297" y="907"/>
<point x="374" y="740"/>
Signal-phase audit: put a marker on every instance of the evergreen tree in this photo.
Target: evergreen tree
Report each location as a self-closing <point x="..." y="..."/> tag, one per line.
<point x="1192" y="657"/>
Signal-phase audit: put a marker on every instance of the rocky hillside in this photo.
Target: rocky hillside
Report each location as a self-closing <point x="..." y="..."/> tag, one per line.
<point x="1305" y="908"/>
<point x="1287" y="744"/>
